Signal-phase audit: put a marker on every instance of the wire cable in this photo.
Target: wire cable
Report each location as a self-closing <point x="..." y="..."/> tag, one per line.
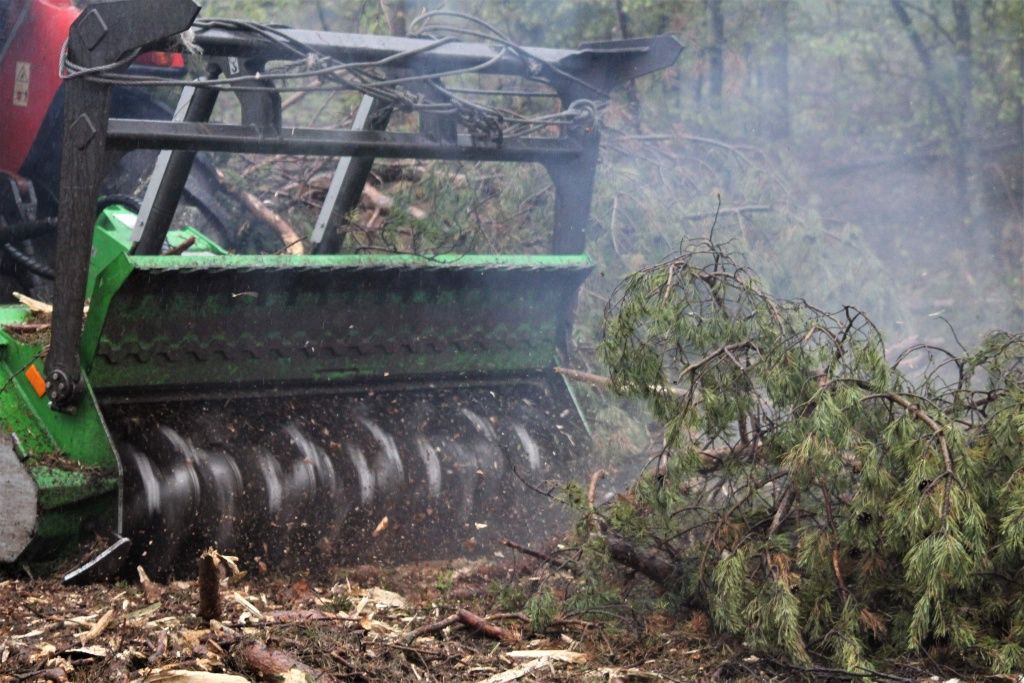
<point x="421" y="92"/>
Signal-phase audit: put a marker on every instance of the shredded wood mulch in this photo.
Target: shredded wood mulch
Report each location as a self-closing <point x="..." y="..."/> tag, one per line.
<point x="422" y="622"/>
<point x="428" y="621"/>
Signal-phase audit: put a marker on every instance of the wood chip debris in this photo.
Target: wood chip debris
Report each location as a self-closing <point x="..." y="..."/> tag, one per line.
<point x="181" y="676"/>
<point x="518" y="672"/>
<point x="99" y="627"/>
<point x="567" y="656"/>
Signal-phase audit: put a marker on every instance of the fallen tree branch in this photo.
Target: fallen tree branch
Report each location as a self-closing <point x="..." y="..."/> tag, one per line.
<point x="481" y="625"/>
<point x="289" y="237"/>
<point x="300" y="616"/>
<point x="466" y="618"/>
<point x="181" y="248"/>
<point x="99" y="627"/>
<point x="532" y="553"/>
<point x="255" y="657"/>
<point x="606" y="382"/>
<point x="434" y="627"/>
<point x="737" y="210"/>
<point x="379" y="200"/>
<point x="649" y="562"/>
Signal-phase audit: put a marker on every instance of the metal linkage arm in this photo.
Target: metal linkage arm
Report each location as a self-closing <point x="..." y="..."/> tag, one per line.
<point x="102" y="34"/>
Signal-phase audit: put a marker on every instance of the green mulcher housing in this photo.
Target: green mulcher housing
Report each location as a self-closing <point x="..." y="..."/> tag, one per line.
<point x="284" y="407"/>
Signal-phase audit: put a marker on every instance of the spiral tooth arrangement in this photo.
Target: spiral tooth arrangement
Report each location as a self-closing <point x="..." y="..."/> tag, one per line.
<point x="293" y="480"/>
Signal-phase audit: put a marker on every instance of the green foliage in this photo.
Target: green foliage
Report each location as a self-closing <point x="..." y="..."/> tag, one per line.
<point x="542" y="608"/>
<point x="830" y="501"/>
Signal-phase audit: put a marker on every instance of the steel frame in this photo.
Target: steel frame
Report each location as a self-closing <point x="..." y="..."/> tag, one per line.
<point x="106" y="31"/>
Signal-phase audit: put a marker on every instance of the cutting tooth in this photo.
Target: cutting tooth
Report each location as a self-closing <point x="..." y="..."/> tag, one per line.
<point x="530" y="447"/>
<point x="388" y="472"/>
<point x="172" y="531"/>
<point x="366" y="480"/>
<point x="265" y="485"/>
<point x="221" y="486"/>
<point x="431" y="464"/>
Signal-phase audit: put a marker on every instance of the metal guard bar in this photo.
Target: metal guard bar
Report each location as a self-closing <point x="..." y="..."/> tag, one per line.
<point x="127" y="134"/>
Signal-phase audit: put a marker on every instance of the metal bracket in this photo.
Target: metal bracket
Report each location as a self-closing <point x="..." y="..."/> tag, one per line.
<point x="170" y="175"/>
<point x="103" y="34"/>
<point x="260" y="100"/>
<point x="17" y="199"/>
<point x="348" y="180"/>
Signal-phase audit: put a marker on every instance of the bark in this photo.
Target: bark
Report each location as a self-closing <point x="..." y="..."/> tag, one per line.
<point x="631" y="95"/>
<point x="716" y="52"/>
<point x="211" y="604"/>
<point x="953" y="127"/>
<point x="776" y="73"/>
<point x="480" y="625"/>
<point x="257" y="658"/>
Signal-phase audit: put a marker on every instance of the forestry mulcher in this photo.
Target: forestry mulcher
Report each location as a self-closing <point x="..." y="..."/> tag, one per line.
<point x="288" y="407"/>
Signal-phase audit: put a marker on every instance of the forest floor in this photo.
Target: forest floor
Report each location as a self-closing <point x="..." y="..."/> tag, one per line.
<point x="426" y="621"/>
<point x="354" y="623"/>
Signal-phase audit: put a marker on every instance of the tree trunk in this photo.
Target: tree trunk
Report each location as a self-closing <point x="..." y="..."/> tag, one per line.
<point x="965" y="158"/>
<point x="953" y="126"/>
<point x="716" y="52"/>
<point x="776" y="73"/>
<point x="631" y="96"/>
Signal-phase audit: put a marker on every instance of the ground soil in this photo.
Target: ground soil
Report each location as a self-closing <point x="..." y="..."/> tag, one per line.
<point x="354" y="627"/>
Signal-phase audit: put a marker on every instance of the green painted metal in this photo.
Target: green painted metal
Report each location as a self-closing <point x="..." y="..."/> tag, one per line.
<point x="42" y="432"/>
<point x="241" y="262"/>
<point x="69" y="457"/>
<point x="206" y="320"/>
<point x="113" y="235"/>
<point x="198" y="323"/>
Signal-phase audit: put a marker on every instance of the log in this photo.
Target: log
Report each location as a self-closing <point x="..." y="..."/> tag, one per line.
<point x="481" y="625"/>
<point x="648" y="562"/>
<point x="256" y="658"/>
<point x="19" y="493"/>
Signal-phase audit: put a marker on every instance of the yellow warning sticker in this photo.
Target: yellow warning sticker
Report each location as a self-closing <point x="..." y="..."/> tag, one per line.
<point x="22" y="81"/>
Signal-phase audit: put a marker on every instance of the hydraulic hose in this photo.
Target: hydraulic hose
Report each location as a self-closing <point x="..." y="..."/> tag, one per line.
<point x="19" y="232"/>
<point x="29" y="263"/>
<point x="125" y="200"/>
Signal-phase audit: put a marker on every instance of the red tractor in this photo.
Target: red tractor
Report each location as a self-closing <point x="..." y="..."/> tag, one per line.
<point x="32" y="36"/>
